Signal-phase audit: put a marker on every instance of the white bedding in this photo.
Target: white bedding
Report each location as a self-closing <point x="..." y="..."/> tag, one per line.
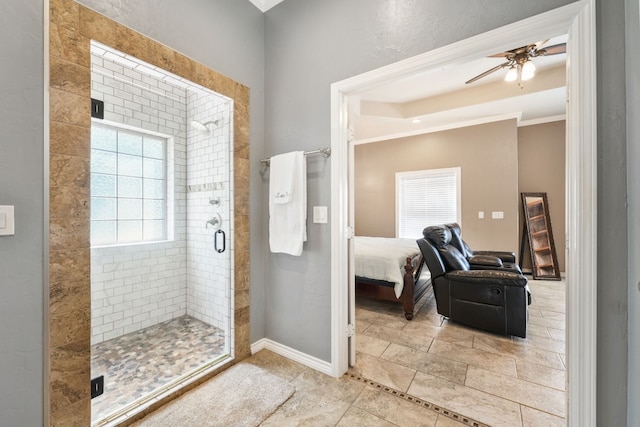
<point x="383" y="258"/>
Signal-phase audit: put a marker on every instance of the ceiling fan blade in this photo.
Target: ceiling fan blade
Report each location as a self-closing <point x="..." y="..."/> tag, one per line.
<point x="486" y="73"/>
<point x="554" y="50"/>
<point x="541" y="43"/>
<point x="509" y="54"/>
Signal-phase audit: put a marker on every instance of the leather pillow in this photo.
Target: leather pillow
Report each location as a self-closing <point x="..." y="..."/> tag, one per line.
<point x="456" y="240"/>
<point x="488" y="260"/>
<point x="439" y="236"/>
<point x="453" y="259"/>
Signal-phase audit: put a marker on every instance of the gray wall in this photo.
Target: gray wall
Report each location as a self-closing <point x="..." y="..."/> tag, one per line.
<point x="226" y="36"/>
<point x="633" y="193"/>
<point x="21" y="184"/>
<point x="612" y="216"/>
<point x="309" y="45"/>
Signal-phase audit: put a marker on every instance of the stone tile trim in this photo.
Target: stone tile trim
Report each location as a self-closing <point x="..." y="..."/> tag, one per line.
<point x="416" y="400"/>
<point x="209" y="186"/>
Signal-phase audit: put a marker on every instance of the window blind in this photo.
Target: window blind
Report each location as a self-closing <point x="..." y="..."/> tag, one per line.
<point x="424" y="198"/>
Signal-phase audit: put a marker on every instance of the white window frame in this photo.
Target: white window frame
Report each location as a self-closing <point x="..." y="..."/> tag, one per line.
<point x="400" y="176"/>
<point x="168" y="182"/>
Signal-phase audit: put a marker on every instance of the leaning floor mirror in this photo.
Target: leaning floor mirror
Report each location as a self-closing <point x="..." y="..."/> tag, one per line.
<point x="537" y="231"/>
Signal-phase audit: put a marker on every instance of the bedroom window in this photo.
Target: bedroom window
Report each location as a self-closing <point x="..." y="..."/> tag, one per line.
<point x="424" y="198"/>
<point x="128" y="186"/>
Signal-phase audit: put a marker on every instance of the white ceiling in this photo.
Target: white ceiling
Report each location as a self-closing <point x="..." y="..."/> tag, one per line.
<point x="440" y="99"/>
<point x="452" y="77"/>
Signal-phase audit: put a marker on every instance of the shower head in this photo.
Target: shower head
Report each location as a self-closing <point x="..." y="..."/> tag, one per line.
<point x="204" y="128"/>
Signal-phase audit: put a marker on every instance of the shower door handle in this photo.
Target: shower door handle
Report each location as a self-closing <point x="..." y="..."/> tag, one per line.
<point x="224" y="242"/>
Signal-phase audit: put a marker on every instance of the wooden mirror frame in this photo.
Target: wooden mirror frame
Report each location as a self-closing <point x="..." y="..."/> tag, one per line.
<point x="537" y="230"/>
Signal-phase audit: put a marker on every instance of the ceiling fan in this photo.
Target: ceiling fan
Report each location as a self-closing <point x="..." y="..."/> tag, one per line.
<point x="519" y="62"/>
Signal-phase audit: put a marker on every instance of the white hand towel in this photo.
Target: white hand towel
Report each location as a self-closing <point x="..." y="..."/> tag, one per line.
<point x="288" y="203"/>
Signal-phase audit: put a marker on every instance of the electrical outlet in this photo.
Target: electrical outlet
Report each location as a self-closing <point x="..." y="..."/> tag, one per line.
<point x="497" y="215"/>
<point x="97" y="386"/>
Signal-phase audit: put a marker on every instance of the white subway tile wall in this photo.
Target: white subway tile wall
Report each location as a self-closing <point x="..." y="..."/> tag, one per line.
<point x="209" y="174"/>
<point x="139" y="285"/>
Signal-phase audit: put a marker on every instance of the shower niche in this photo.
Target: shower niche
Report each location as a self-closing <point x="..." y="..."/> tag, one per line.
<point x="161" y="288"/>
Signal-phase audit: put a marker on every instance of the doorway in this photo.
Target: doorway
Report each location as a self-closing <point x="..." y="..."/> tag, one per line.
<point x="577" y="20"/>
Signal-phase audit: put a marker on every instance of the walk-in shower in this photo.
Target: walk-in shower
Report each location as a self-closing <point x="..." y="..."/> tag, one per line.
<point x="161" y="267"/>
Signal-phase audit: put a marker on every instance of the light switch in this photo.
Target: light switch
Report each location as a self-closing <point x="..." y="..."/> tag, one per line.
<point x="6" y="221"/>
<point x="319" y="214"/>
<point x="480" y="215"/>
<point x="497" y="215"/>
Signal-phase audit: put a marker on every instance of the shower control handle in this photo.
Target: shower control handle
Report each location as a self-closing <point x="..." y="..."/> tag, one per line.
<point x="216" y="221"/>
<point x="224" y="242"/>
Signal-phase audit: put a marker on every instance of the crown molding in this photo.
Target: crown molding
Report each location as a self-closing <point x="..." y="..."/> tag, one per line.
<point x="542" y="120"/>
<point x="441" y="128"/>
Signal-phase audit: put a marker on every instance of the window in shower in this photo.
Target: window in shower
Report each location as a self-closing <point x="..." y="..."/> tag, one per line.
<point x="128" y="186"/>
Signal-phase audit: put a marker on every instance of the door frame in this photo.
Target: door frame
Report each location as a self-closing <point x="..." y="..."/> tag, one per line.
<point x="578" y="20"/>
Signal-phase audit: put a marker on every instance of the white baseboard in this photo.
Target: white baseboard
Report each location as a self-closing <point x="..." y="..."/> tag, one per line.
<point x="261" y="344"/>
<point x="292" y="354"/>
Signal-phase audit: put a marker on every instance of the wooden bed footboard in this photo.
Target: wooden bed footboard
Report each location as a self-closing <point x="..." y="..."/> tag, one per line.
<point x="408" y="294"/>
<point x="412" y="291"/>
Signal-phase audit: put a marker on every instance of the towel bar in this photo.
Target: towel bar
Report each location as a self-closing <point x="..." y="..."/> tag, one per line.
<point x="325" y="151"/>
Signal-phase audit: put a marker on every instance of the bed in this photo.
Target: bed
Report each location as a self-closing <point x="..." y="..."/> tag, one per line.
<point x="389" y="269"/>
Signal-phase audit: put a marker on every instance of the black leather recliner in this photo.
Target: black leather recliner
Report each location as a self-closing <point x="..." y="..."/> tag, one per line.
<point x="492" y="300"/>
<point x="482" y="260"/>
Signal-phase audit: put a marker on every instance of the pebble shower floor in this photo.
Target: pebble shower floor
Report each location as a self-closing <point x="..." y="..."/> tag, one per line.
<point x="138" y="363"/>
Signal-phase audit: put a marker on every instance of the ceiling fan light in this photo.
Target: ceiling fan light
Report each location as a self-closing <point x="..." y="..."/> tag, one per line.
<point x="528" y="70"/>
<point x="512" y="74"/>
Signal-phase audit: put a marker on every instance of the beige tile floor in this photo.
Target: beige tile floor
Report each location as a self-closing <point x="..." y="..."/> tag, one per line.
<point x="493" y="380"/>
<point x="496" y="380"/>
<point x="320" y="400"/>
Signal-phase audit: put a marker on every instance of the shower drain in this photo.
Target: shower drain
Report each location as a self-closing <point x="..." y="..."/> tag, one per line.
<point x="417" y="401"/>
